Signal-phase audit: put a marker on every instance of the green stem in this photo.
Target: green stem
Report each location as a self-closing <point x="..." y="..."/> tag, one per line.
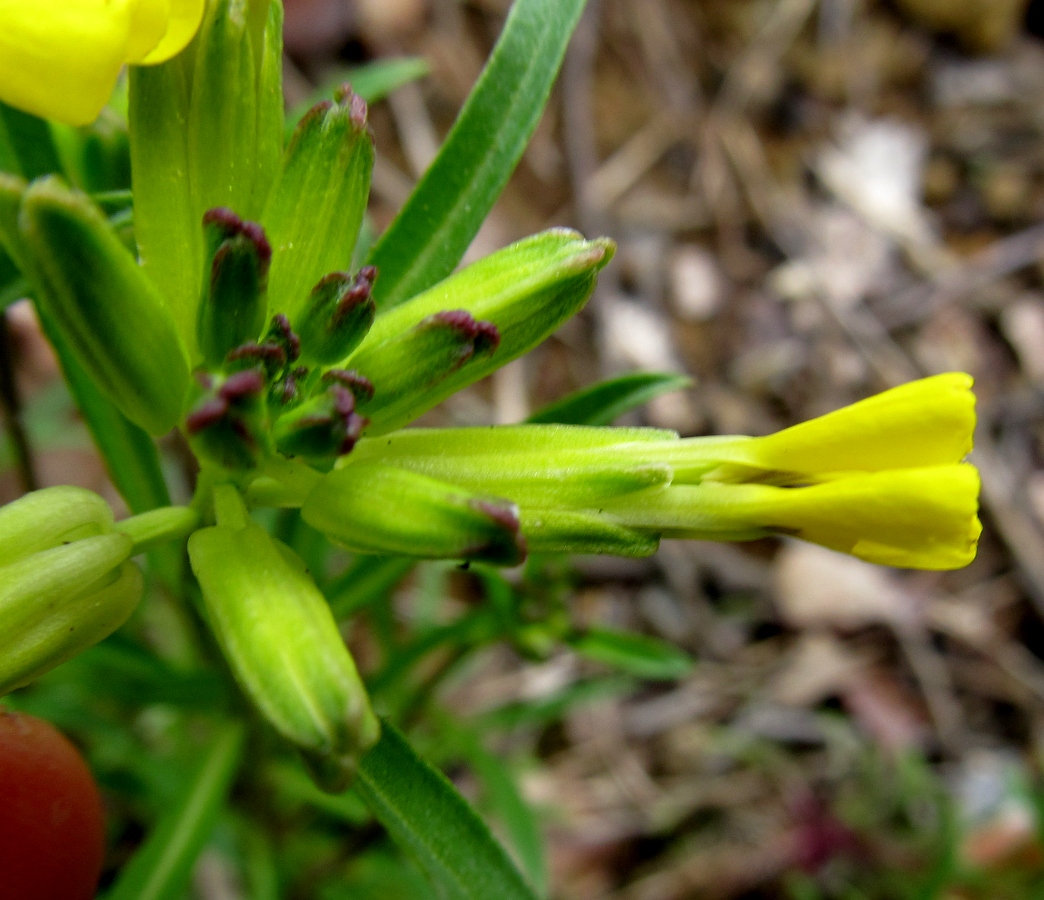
<point x="159" y="526"/>
<point x="229" y="509"/>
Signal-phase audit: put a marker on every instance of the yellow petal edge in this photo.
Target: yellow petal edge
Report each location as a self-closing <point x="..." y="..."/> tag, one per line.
<point x="61" y="60"/>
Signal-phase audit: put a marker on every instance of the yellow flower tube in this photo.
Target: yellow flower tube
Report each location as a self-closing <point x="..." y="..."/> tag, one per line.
<point x="60" y="60"/>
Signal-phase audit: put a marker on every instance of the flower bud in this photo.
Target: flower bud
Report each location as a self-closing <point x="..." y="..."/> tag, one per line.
<point x="337" y="316"/>
<point x="315" y="210"/>
<point x="521" y="293"/>
<point x="116" y="323"/>
<point x="386" y="510"/>
<point x="49" y="518"/>
<point x="235" y="278"/>
<point x="281" y="640"/>
<point x="57" y="602"/>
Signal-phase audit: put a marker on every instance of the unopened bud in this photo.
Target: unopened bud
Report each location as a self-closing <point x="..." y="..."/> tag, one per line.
<point x="315" y="210"/>
<point x="58" y="602"/>
<point x="385" y="510"/>
<point x="337" y="316"/>
<point x="49" y="518"/>
<point x="235" y="278"/>
<point x="281" y="641"/>
<point x="523" y="292"/>
<point x="115" y="321"/>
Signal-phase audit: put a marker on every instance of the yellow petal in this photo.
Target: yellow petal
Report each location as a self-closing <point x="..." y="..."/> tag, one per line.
<point x="914" y="518"/>
<point x="60" y="60"/>
<point x="917" y="518"/>
<point x="924" y="423"/>
<point x="148" y="25"/>
<point x="182" y="25"/>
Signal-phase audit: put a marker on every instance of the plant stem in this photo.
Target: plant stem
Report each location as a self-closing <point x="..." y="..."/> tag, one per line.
<point x="158" y="526"/>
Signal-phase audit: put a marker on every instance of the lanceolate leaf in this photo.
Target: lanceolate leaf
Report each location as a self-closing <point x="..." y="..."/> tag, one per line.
<point x="426" y="816"/>
<point x="161" y="869"/>
<point x="432" y="231"/>
<point x="604" y="402"/>
<point x="636" y="654"/>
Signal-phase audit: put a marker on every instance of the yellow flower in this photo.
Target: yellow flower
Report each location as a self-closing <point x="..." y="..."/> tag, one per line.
<point x="882" y="479"/>
<point x="60" y="59"/>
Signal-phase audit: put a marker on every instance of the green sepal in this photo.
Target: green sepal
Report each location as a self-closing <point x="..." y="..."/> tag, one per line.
<point x="390" y="511"/>
<point x="282" y="642"/>
<point x="583" y="531"/>
<point x="166" y="220"/>
<point x="114" y="319"/>
<point x="49" y="518"/>
<point x="222" y="119"/>
<point x="526" y="291"/>
<point x="338" y="315"/>
<point x="235" y="281"/>
<point x="268" y="47"/>
<point x="547" y="476"/>
<point x="315" y="209"/>
<point x="406" y="368"/>
<point x="58" y="602"/>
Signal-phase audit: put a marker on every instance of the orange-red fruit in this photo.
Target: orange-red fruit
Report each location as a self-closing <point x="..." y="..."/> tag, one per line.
<point x="52" y="829"/>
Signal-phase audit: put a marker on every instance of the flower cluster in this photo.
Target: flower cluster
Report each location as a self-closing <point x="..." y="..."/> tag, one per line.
<point x="248" y="317"/>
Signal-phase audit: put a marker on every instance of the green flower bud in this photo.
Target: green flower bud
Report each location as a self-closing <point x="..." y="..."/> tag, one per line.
<point x="58" y="602"/>
<point x="522" y="293"/>
<point x="281" y="640"/>
<point x="116" y="323"/>
<point x="315" y="210"/>
<point x="386" y="510"/>
<point x="337" y="316"/>
<point x="235" y="278"/>
<point x="49" y="518"/>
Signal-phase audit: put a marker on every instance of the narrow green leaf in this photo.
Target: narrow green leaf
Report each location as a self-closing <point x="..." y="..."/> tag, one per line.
<point x="367" y="579"/>
<point x="604" y="402"/>
<point x="431" y="821"/>
<point x="549" y="709"/>
<point x="636" y="654"/>
<point x="432" y="231"/>
<point x="161" y="869"/>
<point x="508" y="805"/>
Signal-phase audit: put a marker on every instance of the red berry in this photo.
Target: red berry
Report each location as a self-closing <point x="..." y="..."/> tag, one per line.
<point x="52" y="830"/>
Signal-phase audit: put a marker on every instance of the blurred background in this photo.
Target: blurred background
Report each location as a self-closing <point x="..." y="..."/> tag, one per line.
<point x="814" y="200"/>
